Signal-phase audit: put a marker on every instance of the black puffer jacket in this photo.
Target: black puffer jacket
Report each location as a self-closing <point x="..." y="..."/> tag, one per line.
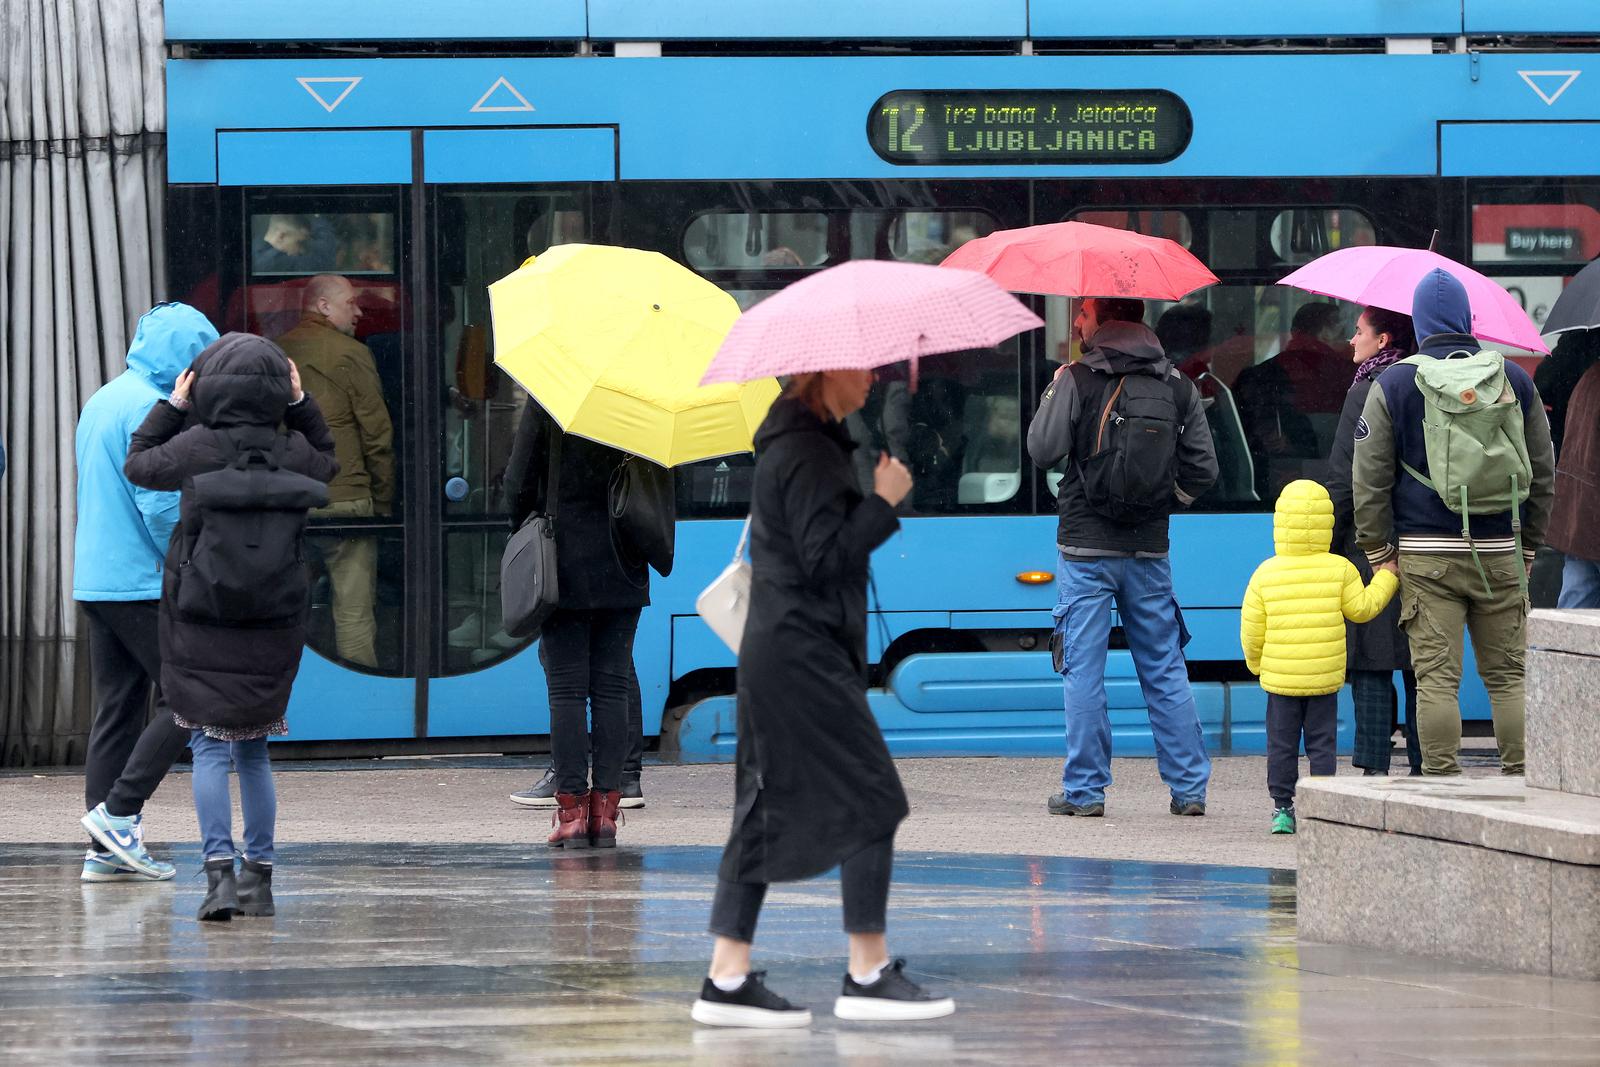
<point x="231" y="677"/>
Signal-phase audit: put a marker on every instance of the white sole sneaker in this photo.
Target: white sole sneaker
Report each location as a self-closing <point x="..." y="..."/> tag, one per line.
<point x="878" y="1009"/>
<point x="704" y="1011"/>
<point x="631" y="802"/>
<point x="533" y="802"/>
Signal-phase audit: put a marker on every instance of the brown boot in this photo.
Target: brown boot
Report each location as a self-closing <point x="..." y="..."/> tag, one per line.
<point x="571" y="821"/>
<point x="603" y="818"/>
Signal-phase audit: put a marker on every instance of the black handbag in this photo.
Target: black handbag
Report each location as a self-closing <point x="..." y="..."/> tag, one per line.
<point x="644" y="514"/>
<point x="529" y="591"/>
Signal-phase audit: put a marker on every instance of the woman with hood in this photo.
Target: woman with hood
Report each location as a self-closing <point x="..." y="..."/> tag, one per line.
<point x="815" y="787"/>
<point x="228" y="681"/>
<point x="1378" y="648"/>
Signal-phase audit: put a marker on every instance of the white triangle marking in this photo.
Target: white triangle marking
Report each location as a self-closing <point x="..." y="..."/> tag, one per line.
<point x="1568" y="76"/>
<point x="348" y="83"/>
<point x="521" y="105"/>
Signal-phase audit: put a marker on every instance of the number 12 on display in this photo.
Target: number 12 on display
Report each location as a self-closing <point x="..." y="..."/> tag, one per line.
<point x="902" y="142"/>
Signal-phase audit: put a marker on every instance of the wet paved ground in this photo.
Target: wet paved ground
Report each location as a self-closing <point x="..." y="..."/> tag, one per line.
<point x="484" y="954"/>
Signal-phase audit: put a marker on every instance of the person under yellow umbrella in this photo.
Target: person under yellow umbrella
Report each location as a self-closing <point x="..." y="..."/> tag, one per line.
<point x="611" y="343"/>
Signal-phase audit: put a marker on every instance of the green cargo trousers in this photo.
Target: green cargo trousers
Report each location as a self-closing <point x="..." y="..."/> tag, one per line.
<point x="1440" y="595"/>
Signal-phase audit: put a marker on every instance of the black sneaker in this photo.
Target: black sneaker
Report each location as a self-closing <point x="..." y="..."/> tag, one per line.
<point x="1060" y="805"/>
<point x="752" y="1004"/>
<point x="542" y="795"/>
<point x="1187" y="807"/>
<point x="892" y="998"/>
<point x="632" y="795"/>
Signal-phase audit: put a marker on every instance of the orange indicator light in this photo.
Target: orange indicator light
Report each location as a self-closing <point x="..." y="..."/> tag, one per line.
<point x="1036" y="577"/>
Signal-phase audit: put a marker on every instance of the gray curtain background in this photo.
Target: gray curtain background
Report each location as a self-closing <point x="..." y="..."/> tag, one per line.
<point x="82" y="182"/>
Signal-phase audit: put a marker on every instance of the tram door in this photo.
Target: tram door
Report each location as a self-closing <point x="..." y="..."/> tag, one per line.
<point x="490" y="198"/>
<point x="405" y="637"/>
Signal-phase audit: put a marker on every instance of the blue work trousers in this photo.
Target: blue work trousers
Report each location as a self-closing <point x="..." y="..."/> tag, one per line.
<point x="1142" y="592"/>
<point x="212" y="805"/>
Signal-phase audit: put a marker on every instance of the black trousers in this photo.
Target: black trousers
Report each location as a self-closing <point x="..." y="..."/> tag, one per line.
<point x="633" y="762"/>
<point x="127" y="758"/>
<point x="863" y="883"/>
<point x="1288" y="719"/>
<point x="588" y="665"/>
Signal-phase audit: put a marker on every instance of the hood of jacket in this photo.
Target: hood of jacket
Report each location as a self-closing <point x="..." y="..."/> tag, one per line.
<point x="241" y="380"/>
<point x="1439" y="305"/>
<point x="1302" y="521"/>
<point x="1126" y="348"/>
<point x="169" y="338"/>
<point x="788" y="415"/>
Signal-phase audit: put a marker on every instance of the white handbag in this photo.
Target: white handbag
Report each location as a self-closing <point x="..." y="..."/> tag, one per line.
<point x="725" y="603"/>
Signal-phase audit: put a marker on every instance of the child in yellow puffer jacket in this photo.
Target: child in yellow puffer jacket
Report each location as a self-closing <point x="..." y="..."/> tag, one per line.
<point x="1292" y="629"/>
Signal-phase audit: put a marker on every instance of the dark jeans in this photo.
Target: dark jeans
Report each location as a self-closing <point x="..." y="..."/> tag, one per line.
<point x="633" y="762"/>
<point x="863" y="883"/>
<point x="127" y="758"/>
<point x="1376" y="713"/>
<point x="1288" y="718"/>
<point x="588" y="665"/>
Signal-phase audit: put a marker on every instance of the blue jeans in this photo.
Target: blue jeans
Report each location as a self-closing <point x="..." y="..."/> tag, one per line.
<point x="1142" y="589"/>
<point x="212" y="805"/>
<point x="1580" y="584"/>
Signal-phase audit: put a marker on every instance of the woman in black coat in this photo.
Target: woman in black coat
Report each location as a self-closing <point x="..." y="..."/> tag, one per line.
<point x="815" y="787"/>
<point x="228" y="682"/>
<point x="587" y="642"/>
<point x="1376" y="649"/>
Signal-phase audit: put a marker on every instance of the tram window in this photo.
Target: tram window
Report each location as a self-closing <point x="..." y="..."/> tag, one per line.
<point x="757" y="240"/>
<point x="1173" y="225"/>
<point x="1300" y="235"/>
<point x="915" y="236"/>
<point x="1557" y="226"/>
<point x="299" y="243"/>
<point x="357" y="589"/>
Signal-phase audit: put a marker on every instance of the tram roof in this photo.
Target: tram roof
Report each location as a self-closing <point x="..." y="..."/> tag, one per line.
<point x="823" y="21"/>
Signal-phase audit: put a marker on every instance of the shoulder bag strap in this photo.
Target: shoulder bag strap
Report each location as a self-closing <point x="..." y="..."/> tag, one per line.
<point x="552" y="485"/>
<point x="744" y="537"/>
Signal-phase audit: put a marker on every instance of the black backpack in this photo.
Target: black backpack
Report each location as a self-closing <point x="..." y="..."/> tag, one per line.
<point x="1130" y="469"/>
<point x="244" y="563"/>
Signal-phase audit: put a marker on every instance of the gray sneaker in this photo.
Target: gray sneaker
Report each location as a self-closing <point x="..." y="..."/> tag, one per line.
<point x="542" y="795"/>
<point x="1060" y="805"/>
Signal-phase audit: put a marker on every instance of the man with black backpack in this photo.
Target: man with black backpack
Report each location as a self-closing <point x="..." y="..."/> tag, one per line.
<point x="1130" y="435"/>
<point x="1454" y="471"/>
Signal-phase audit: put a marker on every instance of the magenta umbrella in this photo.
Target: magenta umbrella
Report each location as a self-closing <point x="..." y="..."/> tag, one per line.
<point x="1384" y="276"/>
<point x="865" y="314"/>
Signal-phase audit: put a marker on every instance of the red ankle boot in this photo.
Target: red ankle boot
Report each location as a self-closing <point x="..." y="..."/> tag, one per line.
<point x="603" y="818"/>
<point x="571" y="821"/>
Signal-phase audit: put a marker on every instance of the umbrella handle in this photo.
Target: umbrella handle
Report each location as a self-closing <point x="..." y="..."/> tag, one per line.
<point x="1433" y="241"/>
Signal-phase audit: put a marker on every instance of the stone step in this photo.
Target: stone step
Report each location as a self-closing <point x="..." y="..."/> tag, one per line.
<point x="1563" y="715"/>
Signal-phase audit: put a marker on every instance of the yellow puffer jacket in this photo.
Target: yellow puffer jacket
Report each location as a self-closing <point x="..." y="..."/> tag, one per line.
<point x="1292" y="627"/>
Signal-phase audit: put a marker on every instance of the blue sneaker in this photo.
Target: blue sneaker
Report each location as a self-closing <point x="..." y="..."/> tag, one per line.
<point x="105" y="867"/>
<point x="123" y="837"/>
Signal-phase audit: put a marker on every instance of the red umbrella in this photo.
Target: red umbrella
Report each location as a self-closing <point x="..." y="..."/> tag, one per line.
<point x="1082" y="259"/>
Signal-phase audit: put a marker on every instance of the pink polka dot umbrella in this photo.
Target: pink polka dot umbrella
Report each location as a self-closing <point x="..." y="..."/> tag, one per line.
<point x="865" y="314"/>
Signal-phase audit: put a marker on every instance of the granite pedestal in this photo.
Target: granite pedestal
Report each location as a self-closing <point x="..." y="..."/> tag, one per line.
<point x="1497" y="871"/>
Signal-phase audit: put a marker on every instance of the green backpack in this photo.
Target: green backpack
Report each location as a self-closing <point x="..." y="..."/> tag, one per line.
<point x="1472" y="431"/>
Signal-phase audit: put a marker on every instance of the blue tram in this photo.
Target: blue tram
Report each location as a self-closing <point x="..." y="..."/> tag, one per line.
<point x="423" y="150"/>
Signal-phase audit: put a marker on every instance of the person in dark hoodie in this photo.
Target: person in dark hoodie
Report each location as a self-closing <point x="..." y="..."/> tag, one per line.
<point x="815" y="787"/>
<point x="1441" y="588"/>
<point x="229" y="684"/>
<point x="1102" y="559"/>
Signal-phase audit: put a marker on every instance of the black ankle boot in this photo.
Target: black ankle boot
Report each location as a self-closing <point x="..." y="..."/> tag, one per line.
<point x="255" y="888"/>
<point x="222" y="899"/>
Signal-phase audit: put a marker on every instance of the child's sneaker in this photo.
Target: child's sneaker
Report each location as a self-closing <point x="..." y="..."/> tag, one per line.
<point x="892" y="998"/>
<point x="752" y="1004"/>
<point x="105" y="867"/>
<point x="1283" y="821"/>
<point x="123" y="837"/>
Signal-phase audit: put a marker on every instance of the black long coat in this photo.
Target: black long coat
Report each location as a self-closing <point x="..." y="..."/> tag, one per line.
<point x="814" y="781"/>
<point x="589" y="573"/>
<point x="1379" y="645"/>
<point x="233" y="677"/>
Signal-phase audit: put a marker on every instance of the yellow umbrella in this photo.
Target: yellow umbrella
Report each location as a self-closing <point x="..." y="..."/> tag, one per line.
<point x="613" y="342"/>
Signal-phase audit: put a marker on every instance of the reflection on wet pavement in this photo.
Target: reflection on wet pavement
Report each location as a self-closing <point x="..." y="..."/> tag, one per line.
<point x="458" y="954"/>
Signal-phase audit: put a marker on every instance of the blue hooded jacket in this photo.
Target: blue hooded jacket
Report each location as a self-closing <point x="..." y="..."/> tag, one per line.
<point x="123" y="530"/>
<point x="1442" y="315"/>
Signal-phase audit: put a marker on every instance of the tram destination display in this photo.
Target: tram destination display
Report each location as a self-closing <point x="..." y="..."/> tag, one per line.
<point x="1045" y="126"/>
